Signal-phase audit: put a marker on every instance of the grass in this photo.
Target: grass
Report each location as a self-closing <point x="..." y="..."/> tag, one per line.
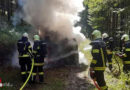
<point x="12" y="76"/>
<point x="55" y="79"/>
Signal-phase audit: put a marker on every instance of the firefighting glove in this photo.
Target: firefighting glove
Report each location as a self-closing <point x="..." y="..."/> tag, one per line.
<point x="92" y="73"/>
<point x="119" y="55"/>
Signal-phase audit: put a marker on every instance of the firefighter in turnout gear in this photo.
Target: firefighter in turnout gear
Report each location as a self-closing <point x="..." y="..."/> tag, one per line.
<point x="98" y="64"/>
<point x="109" y="46"/>
<point x="24" y="49"/>
<point x="126" y="53"/>
<point x="39" y="52"/>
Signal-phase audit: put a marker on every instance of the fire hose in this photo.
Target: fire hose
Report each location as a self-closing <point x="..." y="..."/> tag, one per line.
<point x="92" y="75"/>
<point x="28" y="75"/>
<point x="94" y="81"/>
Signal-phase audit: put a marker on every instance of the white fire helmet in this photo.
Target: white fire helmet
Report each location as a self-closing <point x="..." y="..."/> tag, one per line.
<point x="25" y="34"/>
<point x="96" y="34"/>
<point x="105" y="35"/>
<point x="125" y="37"/>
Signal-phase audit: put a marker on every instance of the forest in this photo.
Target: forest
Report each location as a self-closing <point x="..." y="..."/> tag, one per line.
<point x="108" y="16"/>
<point x="105" y="15"/>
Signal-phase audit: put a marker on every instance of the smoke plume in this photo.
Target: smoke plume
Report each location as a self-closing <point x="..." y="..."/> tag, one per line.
<point x="56" y="19"/>
<point x="53" y="15"/>
<point x="18" y="15"/>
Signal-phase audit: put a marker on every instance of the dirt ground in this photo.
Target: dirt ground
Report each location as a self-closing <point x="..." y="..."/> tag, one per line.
<point x="78" y="79"/>
<point x="65" y="78"/>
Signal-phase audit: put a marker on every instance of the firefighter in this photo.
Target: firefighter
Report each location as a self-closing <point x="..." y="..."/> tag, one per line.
<point x="39" y="52"/>
<point x="24" y="49"/>
<point x="98" y="64"/>
<point x="126" y="53"/>
<point x="109" y="46"/>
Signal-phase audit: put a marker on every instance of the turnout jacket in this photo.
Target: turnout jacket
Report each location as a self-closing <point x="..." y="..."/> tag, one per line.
<point x="24" y="47"/>
<point x="109" y="44"/>
<point x="39" y="52"/>
<point x="126" y="53"/>
<point x="109" y="47"/>
<point x="99" y="55"/>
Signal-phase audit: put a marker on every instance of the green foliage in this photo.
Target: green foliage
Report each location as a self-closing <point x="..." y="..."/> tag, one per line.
<point x="7" y="38"/>
<point x="8" y="41"/>
<point x="23" y="28"/>
<point x="83" y="23"/>
<point x="9" y="35"/>
<point x="117" y="82"/>
<point x="106" y="15"/>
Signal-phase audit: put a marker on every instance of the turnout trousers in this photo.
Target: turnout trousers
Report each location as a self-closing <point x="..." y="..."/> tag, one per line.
<point x="38" y="69"/>
<point x="25" y="66"/>
<point x="126" y="70"/>
<point x="100" y="80"/>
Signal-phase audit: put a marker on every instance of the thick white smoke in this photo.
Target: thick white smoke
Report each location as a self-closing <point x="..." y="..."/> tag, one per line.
<point x="58" y="16"/>
<point x="54" y="15"/>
